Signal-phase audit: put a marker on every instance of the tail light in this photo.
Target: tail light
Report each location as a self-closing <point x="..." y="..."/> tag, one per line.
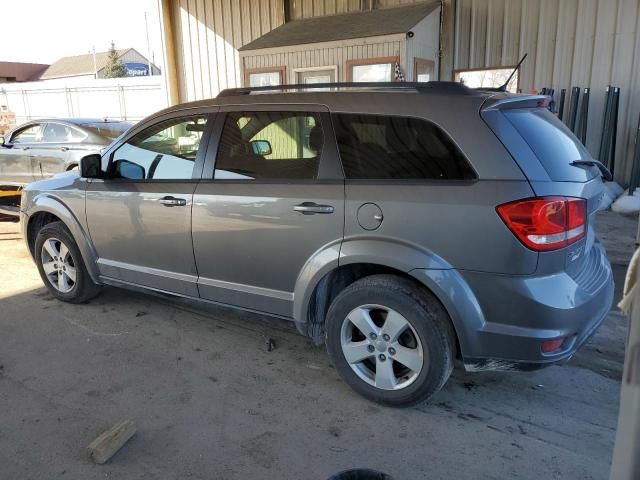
<point x="546" y="223"/>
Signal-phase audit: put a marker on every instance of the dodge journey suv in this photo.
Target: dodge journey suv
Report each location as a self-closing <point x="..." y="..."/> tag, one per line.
<point x="406" y="226"/>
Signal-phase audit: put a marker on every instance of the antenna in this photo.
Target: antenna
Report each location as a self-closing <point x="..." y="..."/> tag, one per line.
<point x="503" y="87"/>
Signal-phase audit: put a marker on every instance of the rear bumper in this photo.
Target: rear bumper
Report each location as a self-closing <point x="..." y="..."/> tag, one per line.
<point x="513" y="315"/>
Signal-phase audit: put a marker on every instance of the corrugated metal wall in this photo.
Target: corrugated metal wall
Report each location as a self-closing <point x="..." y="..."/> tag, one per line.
<point x="318" y="8"/>
<point x="585" y="43"/>
<point x="208" y="34"/>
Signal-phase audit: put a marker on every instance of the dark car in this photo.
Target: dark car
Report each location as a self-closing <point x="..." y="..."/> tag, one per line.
<point x="42" y="148"/>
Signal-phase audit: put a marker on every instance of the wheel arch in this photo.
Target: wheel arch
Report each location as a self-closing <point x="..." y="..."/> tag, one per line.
<point x="357" y="259"/>
<point x="46" y="209"/>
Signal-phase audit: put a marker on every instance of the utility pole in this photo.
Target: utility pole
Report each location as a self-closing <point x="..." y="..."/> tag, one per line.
<point x="146" y="26"/>
<point x="95" y="65"/>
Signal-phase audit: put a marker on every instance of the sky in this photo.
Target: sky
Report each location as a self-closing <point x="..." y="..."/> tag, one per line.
<point x="42" y="31"/>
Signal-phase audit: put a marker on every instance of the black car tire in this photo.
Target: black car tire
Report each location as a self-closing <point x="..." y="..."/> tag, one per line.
<point x="425" y="315"/>
<point x="83" y="288"/>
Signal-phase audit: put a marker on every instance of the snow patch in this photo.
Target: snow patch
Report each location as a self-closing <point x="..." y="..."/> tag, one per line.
<point x="611" y="191"/>
<point x="627" y="204"/>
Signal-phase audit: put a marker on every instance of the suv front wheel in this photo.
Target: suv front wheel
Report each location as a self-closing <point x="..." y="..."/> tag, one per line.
<point x="61" y="266"/>
<point x="390" y="340"/>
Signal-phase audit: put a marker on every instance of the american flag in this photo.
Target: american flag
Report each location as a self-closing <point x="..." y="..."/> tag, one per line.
<point x="398" y="75"/>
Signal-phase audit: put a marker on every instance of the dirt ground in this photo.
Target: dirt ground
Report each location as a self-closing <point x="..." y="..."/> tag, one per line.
<point x="210" y="402"/>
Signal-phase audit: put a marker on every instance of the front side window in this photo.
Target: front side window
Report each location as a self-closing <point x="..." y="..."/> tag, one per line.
<point x="397" y="148"/>
<point x="30" y="134"/>
<point x="59" y="133"/>
<point x="165" y="151"/>
<point x="269" y="145"/>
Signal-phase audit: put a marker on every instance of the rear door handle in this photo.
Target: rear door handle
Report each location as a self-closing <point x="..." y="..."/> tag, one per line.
<point x="173" y="202"/>
<point x="311" y="208"/>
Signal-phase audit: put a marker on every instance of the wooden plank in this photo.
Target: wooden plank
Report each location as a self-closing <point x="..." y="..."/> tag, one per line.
<point x="107" y="444"/>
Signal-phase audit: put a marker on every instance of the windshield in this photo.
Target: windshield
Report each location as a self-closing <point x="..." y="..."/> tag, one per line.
<point x="110" y="130"/>
<point x="553" y="143"/>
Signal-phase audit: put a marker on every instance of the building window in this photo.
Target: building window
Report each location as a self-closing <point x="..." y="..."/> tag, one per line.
<point x="488" y="78"/>
<point x="310" y="75"/>
<point x="423" y="70"/>
<point x="264" y="77"/>
<point x="380" y="69"/>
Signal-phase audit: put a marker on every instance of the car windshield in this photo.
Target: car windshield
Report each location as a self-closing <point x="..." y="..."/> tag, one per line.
<point x="109" y="130"/>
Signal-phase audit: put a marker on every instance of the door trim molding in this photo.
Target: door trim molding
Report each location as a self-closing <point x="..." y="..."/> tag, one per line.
<point x="250" y="289"/>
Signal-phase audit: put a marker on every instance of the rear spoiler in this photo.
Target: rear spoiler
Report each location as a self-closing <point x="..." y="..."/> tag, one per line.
<point x="516" y="101"/>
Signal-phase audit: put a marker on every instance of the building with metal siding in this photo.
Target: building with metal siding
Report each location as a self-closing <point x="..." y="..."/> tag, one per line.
<point x="585" y="43"/>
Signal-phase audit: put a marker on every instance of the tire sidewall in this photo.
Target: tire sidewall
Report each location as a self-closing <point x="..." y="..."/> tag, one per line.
<point x="426" y="319"/>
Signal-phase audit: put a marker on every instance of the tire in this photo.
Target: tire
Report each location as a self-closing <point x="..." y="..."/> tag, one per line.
<point x="76" y="285"/>
<point x="381" y="303"/>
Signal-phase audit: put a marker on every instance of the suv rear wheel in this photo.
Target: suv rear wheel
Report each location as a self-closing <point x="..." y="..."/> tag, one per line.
<point x="390" y="340"/>
<point x="61" y="266"/>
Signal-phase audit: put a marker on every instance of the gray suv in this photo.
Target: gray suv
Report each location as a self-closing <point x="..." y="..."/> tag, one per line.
<point x="403" y="225"/>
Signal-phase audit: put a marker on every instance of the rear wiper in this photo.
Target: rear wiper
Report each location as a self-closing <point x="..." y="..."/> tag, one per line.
<point x="606" y="174"/>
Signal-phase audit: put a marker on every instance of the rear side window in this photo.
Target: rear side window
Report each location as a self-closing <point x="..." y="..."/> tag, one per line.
<point x="270" y="145"/>
<point x="551" y="141"/>
<point x="397" y="148"/>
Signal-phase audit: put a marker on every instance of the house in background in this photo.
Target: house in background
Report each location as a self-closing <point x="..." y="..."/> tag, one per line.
<point x="379" y="45"/>
<point x="20" y="72"/>
<point x="83" y="66"/>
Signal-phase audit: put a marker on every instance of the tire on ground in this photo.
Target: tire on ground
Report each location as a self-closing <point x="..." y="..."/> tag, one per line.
<point x="84" y="288"/>
<point x="425" y="314"/>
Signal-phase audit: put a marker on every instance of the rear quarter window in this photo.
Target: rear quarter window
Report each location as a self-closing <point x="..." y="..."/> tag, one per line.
<point x="552" y="142"/>
<point x="397" y="148"/>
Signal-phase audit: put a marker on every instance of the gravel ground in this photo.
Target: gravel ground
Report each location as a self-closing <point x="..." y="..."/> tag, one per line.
<point x="210" y="401"/>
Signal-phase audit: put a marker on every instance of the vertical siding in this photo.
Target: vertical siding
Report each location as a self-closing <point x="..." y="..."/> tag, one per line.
<point x="330" y="54"/>
<point x="208" y="34"/>
<point x="316" y="8"/>
<point x="585" y="43"/>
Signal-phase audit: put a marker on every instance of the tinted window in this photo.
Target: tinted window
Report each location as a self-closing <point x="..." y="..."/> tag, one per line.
<point x="165" y="151"/>
<point x="28" y="135"/>
<point x="274" y="145"/>
<point x="385" y="147"/>
<point x="552" y="142"/>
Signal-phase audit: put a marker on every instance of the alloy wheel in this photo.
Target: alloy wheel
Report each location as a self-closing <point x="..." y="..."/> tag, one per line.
<point x="58" y="265"/>
<point x="382" y="347"/>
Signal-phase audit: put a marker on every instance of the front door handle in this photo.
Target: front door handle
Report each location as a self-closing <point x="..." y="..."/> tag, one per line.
<point x="64" y="149"/>
<point x="173" y="202"/>
<point x="311" y="208"/>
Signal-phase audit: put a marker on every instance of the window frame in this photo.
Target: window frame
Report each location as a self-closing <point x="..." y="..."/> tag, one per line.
<point x="329" y="167"/>
<point x="333" y="68"/>
<point x="280" y="69"/>
<point x="71" y="127"/>
<point x="349" y="64"/>
<point x="409" y="181"/>
<point x="27" y="127"/>
<point x="419" y="60"/>
<point x="458" y="71"/>
<point x="201" y="157"/>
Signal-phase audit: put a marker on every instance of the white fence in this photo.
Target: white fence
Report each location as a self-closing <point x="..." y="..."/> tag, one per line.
<point x="123" y="98"/>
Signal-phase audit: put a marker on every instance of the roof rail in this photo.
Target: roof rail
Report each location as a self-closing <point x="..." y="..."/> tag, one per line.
<point x="444" y="87"/>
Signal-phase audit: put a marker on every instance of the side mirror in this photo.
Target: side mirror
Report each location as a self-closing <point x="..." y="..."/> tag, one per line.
<point x="128" y="170"/>
<point x="91" y="166"/>
<point x="261" y="147"/>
